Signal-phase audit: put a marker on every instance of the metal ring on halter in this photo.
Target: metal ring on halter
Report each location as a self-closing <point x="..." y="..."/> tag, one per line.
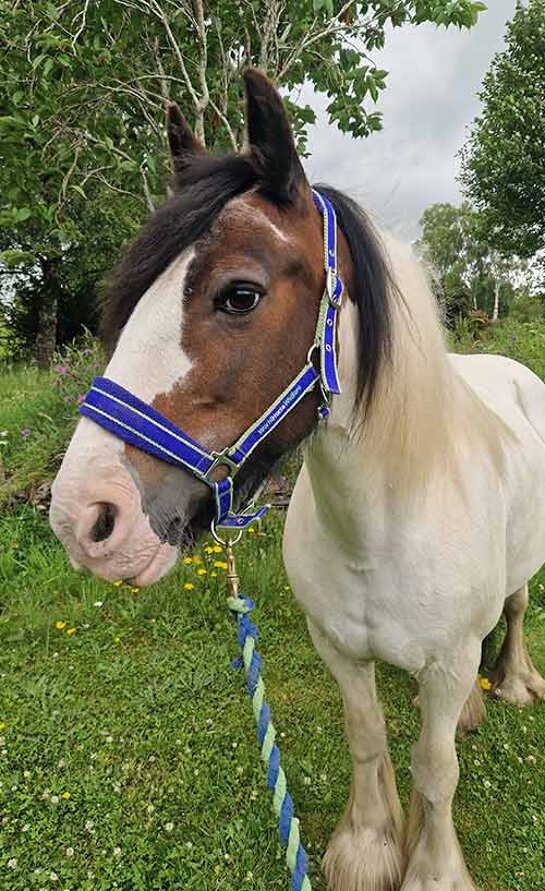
<point x="221" y="541"/>
<point x="314" y="346"/>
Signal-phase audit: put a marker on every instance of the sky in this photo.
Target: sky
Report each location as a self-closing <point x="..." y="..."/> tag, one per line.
<point x="428" y="106"/>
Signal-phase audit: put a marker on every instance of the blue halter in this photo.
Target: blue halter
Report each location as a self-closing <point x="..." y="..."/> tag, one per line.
<point x="120" y="412"/>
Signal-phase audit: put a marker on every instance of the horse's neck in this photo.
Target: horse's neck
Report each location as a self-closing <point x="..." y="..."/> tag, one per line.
<point x="415" y="428"/>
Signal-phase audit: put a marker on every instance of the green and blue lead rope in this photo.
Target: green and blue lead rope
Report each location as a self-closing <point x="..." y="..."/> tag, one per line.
<point x="288" y="824"/>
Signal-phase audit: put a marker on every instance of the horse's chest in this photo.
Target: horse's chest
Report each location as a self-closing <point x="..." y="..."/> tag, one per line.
<point x="351" y="602"/>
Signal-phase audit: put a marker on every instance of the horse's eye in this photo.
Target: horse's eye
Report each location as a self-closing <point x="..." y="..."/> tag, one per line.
<point x="238" y="299"/>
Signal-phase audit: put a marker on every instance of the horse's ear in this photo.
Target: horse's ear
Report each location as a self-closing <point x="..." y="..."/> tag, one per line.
<point x="271" y="139"/>
<point x="181" y="139"/>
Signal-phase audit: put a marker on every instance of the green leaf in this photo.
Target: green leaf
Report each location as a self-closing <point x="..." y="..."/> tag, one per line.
<point x="14" y="256"/>
<point x="22" y="214"/>
<point x="77" y="188"/>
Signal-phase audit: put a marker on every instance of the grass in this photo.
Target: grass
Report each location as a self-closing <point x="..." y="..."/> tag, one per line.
<point x="128" y="759"/>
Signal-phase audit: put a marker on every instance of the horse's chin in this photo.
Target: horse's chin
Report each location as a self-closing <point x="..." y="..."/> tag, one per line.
<point x="160" y="564"/>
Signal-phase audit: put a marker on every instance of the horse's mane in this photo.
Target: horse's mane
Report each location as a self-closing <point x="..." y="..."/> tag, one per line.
<point x="203" y="188"/>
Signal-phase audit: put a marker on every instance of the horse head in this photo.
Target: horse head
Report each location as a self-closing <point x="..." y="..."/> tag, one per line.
<point x="208" y="317"/>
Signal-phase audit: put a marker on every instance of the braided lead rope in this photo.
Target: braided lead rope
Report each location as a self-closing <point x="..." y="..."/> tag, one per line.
<point x="288" y="824"/>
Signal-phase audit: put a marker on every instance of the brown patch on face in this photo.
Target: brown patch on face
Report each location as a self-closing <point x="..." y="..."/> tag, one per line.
<point x="241" y="364"/>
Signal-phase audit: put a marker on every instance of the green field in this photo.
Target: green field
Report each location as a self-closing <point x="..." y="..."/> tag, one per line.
<point x="127" y="756"/>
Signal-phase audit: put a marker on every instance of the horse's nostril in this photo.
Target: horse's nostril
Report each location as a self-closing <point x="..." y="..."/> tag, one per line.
<point x="104" y="525"/>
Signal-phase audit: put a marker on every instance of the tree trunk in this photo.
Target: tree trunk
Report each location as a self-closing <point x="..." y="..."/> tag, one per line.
<point x="496" y="311"/>
<point x="48" y="301"/>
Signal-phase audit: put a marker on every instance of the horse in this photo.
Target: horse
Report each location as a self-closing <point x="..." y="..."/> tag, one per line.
<point x="418" y="516"/>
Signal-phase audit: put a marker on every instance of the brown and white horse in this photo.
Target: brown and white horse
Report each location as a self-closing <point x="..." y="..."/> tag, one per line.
<point x="419" y="514"/>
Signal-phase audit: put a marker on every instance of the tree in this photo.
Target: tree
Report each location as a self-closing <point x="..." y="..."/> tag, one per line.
<point x="83" y="87"/>
<point x="51" y="296"/>
<point x="470" y="274"/>
<point x="503" y="168"/>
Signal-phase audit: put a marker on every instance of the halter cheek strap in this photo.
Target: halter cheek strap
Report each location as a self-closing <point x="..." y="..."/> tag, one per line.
<point x="135" y="422"/>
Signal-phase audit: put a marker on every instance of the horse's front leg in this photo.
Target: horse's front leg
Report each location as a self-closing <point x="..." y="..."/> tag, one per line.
<point x="435" y="859"/>
<point x="365" y="851"/>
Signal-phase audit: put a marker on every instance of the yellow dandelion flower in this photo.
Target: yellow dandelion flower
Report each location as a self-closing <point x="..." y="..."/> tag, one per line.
<point x="67" y="795"/>
<point x="251" y="529"/>
<point x="118" y="583"/>
<point x="117" y="638"/>
<point x="135" y="590"/>
<point x="197" y="559"/>
<point x="217" y="549"/>
<point x="70" y="631"/>
<point x="485" y="684"/>
<point x="213" y="575"/>
<point x="60" y="625"/>
<point x="188" y="561"/>
<point x="220" y="564"/>
<point x="201" y="571"/>
<point x="208" y="550"/>
<point x="189" y="586"/>
<point x="2" y="726"/>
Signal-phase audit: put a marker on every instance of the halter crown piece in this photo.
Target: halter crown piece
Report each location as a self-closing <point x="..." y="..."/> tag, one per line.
<point x="120" y="412"/>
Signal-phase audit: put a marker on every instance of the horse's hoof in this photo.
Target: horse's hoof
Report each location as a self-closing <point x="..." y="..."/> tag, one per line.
<point x="363" y="859"/>
<point x="521" y="689"/>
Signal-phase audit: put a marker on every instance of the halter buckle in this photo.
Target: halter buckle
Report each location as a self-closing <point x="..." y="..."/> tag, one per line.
<point x="221" y="458"/>
<point x="331" y="281"/>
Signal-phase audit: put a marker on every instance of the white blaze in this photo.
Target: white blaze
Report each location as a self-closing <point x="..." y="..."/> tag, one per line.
<point x="149" y="358"/>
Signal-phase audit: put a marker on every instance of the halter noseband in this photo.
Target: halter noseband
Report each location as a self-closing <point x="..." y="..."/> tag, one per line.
<point x="120" y="412"/>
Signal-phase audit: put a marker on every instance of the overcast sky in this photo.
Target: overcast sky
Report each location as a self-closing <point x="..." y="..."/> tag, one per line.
<point x="428" y="105"/>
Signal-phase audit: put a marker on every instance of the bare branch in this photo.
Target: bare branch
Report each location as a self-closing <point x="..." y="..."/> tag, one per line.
<point x="120" y="191"/>
<point x="162" y="78"/>
<point x="312" y="36"/>
<point x="225" y="121"/>
<point x="147" y="191"/>
<point x="81" y="29"/>
<point x="202" y="66"/>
